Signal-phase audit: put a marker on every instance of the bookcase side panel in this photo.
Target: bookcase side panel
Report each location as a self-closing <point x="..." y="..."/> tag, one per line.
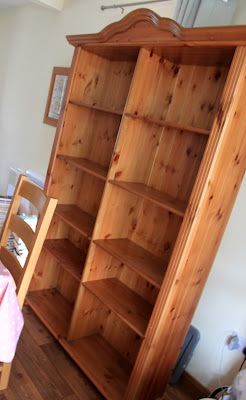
<point x="211" y="202"/>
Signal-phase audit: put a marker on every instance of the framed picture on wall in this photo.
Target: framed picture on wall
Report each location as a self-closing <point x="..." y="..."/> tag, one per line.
<point x="56" y="94"/>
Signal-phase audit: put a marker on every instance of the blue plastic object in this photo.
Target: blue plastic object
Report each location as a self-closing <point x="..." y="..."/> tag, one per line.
<point x="187" y="350"/>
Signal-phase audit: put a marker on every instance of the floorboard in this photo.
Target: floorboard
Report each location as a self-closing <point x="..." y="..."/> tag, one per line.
<point x="43" y="371"/>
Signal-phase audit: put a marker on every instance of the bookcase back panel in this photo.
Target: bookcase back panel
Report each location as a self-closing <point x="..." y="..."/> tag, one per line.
<point x="79" y="241"/>
<point x="184" y="94"/>
<point x="58" y="229"/>
<point x="90" y="193"/>
<point x="156" y="229"/>
<point x="102" y="265"/>
<point x="177" y="161"/>
<point x="197" y="55"/>
<point x="46" y="273"/>
<point x="102" y="82"/>
<point x="89" y="134"/>
<point x="90" y="317"/>
<point x="72" y="186"/>
<point x="96" y="319"/>
<point x="128" y="216"/>
<point x="196" y="104"/>
<point x="118" y="214"/>
<point x="141" y="286"/>
<point x="65" y="182"/>
<point x="136" y="138"/>
<point x="123" y="339"/>
<point x="171" y="157"/>
<point x="67" y="286"/>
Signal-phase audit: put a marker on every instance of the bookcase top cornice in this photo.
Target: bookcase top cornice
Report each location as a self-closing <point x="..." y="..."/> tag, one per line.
<point x="144" y="27"/>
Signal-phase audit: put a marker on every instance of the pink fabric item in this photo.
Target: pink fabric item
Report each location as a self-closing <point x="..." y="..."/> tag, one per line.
<point x="11" y="318"/>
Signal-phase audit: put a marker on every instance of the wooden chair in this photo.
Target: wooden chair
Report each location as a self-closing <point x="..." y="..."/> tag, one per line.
<point x="33" y="240"/>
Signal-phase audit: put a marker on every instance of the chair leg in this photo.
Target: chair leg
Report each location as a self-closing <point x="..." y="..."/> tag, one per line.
<point x="4" y="377"/>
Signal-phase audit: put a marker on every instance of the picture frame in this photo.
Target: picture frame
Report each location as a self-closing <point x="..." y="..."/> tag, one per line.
<point x="57" y="89"/>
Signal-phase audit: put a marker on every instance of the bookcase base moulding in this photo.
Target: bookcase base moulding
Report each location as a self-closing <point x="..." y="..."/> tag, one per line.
<point x="148" y="158"/>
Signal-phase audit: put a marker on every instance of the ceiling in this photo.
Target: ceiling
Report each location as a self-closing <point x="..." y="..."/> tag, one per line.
<point x="54" y="4"/>
<point x="12" y="3"/>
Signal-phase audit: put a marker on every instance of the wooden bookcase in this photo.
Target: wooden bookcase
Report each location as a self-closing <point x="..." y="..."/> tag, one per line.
<point x="148" y="158"/>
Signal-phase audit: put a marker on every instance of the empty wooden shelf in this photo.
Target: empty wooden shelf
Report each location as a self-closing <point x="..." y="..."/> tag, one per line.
<point x="70" y="257"/>
<point x="162" y="199"/>
<point x="95" y="107"/>
<point x="86" y="165"/>
<point x="53" y="310"/>
<point x="77" y="218"/>
<point x="101" y="363"/>
<point x="149" y="154"/>
<point x="143" y="262"/>
<point x="130" y="307"/>
<point x="168" y="124"/>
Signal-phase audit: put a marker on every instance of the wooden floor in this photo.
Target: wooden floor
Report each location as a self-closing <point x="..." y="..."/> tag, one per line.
<point x="43" y="371"/>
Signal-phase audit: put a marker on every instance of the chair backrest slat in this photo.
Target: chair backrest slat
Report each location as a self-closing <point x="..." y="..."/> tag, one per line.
<point x="12" y="264"/>
<point x="34" y="194"/>
<point x="22" y="230"/>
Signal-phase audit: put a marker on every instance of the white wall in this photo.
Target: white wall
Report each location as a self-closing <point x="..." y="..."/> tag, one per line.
<point x="240" y="13"/>
<point x="32" y="41"/>
<point x="215" y="12"/>
<point x="222" y="307"/>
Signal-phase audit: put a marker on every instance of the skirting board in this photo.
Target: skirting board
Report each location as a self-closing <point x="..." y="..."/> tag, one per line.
<point x="191" y="386"/>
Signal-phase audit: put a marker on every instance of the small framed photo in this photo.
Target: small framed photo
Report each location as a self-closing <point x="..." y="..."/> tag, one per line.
<point x="56" y="94"/>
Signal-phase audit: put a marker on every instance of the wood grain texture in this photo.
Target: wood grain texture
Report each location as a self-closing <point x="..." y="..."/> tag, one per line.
<point x="158" y="92"/>
<point x="77" y="218"/>
<point x="70" y="257"/>
<point x="45" y="277"/>
<point x="22" y="230"/>
<point x="89" y="134"/>
<point x="168" y="124"/>
<point x="171" y="162"/>
<point x="45" y="304"/>
<point x="210" y="206"/>
<point x="34" y="194"/>
<point x="95" y="107"/>
<point x="67" y="285"/>
<point x="143" y="262"/>
<point x="161" y="199"/>
<point x="130" y="307"/>
<point x="102" y="364"/>
<point x="93" y="87"/>
<point x="86" y="165"/>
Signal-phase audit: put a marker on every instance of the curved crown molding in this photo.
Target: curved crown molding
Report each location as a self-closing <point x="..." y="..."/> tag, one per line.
<point x="143" y="26"/>
<point x="170" y="29"/>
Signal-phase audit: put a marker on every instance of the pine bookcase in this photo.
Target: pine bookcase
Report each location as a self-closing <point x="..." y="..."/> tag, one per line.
<point x="148" y="158"/>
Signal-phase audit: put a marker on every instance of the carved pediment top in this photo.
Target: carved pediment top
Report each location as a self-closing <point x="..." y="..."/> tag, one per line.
<point x="128" y="26"/>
